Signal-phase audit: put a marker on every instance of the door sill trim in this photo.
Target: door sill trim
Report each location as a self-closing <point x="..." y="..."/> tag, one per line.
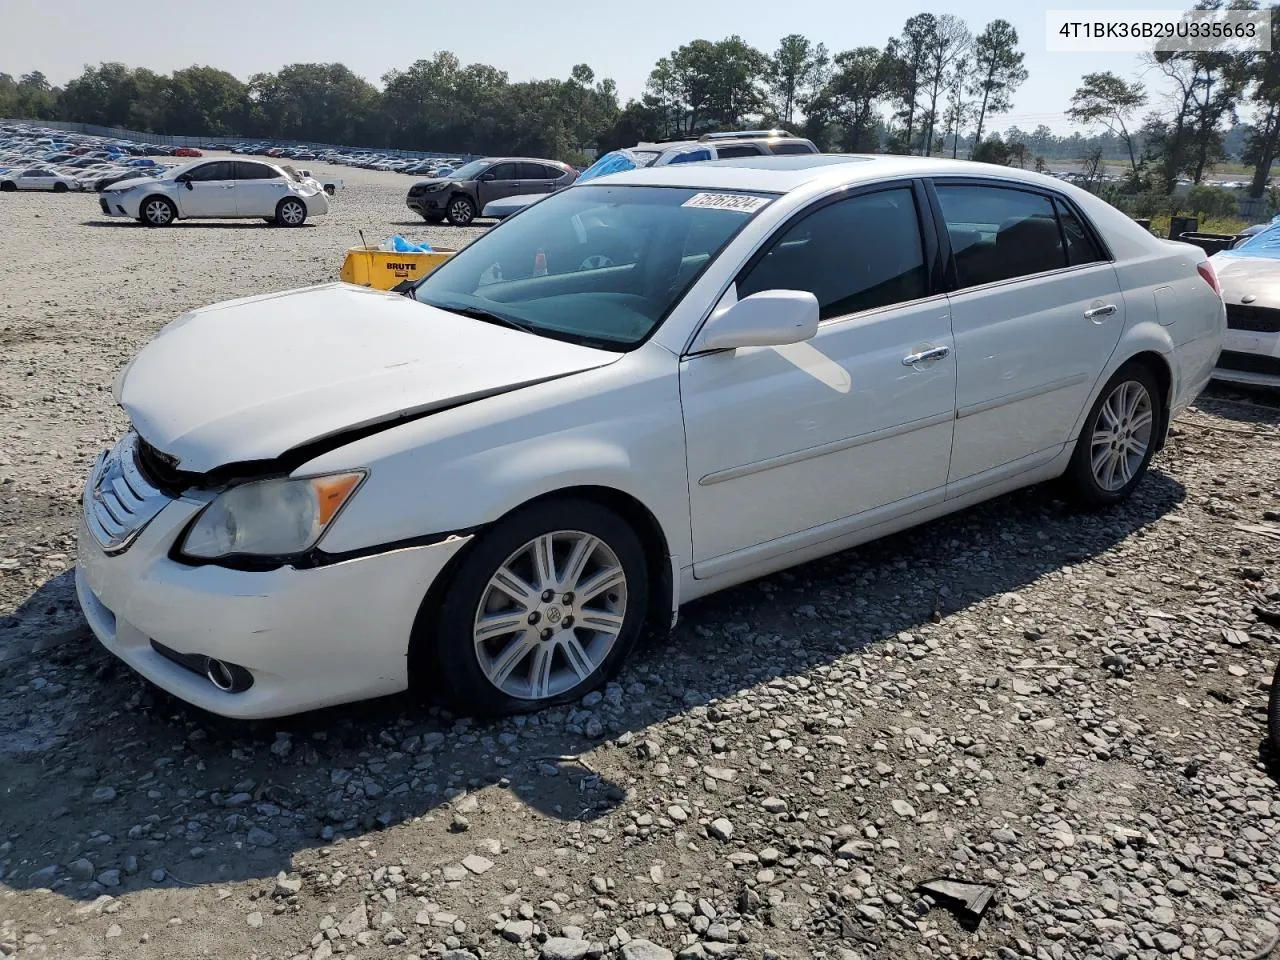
<point x="1029" y="394"/>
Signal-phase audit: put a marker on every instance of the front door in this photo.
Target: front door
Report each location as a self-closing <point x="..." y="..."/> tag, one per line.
<point x="498" y="182"/>
<point x="209" y="191"/>
<point x="1038" y="314"/>
<point x="784" y="440"/>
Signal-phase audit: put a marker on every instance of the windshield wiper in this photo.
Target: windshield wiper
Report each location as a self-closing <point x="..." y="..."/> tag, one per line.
<point x="487" y="316"/>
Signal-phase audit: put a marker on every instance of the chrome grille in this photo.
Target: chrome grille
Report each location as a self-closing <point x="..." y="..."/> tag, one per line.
<point x="118" y="500"/>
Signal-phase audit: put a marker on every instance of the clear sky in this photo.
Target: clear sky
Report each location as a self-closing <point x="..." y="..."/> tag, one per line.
<point x="529" y="40"/>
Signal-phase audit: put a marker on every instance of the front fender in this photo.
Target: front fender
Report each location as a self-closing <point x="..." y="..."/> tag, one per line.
<point x="617" y="427"/>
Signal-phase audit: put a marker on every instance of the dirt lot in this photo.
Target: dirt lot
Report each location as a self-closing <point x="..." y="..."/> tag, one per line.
<point x="1065" y="706"/>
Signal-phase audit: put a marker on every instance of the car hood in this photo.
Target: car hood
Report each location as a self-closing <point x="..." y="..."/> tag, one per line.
<point x="1245" y="276"/>
<point x="253" y="379"/>
<point x="128" y="184"/>
<point x="432" y="182"/>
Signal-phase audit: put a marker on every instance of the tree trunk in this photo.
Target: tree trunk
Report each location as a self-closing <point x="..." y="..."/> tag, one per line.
<point x="1266" y="155"/>
<point x="982" y="113"/>
<point x="1128" y="142"/>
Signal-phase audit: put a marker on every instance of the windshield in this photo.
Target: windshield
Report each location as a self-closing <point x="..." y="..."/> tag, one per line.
<point x="597" y="264"/>
<point x="1264" y="244"/>
<point x="469" y="171"/>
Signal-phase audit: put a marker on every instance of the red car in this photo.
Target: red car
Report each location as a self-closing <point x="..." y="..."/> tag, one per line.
<point x="187" y="152"/>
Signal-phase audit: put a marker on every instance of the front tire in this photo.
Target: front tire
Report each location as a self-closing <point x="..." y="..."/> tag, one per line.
<point x="461" y="211"/>
<point x="542" y="610"/>
<point x="1119" y="438"/>
<point x="157" y="212"/>
<point x="291" y="212"/>
<point x="59" y="188"/>
<point x="8" y="186"/>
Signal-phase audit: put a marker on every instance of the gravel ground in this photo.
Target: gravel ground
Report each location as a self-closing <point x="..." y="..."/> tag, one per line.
<point x="1066" y="707"/>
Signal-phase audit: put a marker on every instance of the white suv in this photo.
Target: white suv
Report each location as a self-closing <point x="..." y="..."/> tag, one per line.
<point x="217" y="189"/>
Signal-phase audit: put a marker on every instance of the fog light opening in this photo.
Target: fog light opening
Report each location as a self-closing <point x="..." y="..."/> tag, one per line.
<point x="220" y="675"/>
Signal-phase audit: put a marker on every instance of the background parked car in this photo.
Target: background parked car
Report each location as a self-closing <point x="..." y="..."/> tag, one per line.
<point x="711" y="146"/>
<point x="461" y="195"/>
<point x="1250" y="279"/>
<point x="217" y="189"/>
<point x="37" y="178"/>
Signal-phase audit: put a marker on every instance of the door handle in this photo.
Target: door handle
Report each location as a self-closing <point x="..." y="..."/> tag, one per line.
<point x="933" y="353"/>
<point x="1097" y="313"/>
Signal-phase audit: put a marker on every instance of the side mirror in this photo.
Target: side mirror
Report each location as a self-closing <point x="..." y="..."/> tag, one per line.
<point x="770" y="318"/>
<point x="188" y="184"/>
<point x="486" y="177"/>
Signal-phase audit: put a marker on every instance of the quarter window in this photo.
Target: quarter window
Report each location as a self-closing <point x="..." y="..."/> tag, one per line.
<point x="1081" y="247"/>
<point x="854" y="254"/>
<point x="999" y="233"/>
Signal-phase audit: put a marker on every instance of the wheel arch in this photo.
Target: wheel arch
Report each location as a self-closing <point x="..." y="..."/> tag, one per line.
<point x="1147" y="343"/>
<point x="662" y="580"/>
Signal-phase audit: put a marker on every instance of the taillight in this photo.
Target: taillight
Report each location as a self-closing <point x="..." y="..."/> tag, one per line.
<point x="1205" y="269"/>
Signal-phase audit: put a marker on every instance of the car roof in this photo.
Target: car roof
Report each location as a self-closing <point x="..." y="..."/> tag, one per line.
<point x="782" y="174"/>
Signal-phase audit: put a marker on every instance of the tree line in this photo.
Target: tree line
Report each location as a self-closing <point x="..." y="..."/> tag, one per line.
<point x="936" y="88"/>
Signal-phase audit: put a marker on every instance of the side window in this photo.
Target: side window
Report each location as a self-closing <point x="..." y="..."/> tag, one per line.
<point x="691" y="156"/>
<point x="741" y="150"/>
<point x="218" y="170"/>
<point x="504" y="171"/>
<point x="854" y="254"/>
<point x="1081" y="247"/>
<point x="793" y="146"/>
<point x="1000" y="233"/>
<point x="254" y="171"/>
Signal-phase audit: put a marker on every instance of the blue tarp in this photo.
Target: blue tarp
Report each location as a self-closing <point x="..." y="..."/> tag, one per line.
<point x="400" y="245"/>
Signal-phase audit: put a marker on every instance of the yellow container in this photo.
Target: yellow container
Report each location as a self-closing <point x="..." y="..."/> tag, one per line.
<point x="385" y="269"/>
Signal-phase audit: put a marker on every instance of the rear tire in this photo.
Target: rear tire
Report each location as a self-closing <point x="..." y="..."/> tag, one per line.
<point x="540" y="649"/>
<point x="1119" y="437"/>
<point x="291" y="212"/>
<point x="461" y="211"/>
<point x="156" y="211"/>
<point x="1273" y="717"/>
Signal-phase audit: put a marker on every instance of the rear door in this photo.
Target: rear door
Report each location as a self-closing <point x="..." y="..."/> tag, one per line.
<point x="538" y="177"/>
<point x="1037" y="312"/>
<point x="209" y="191"/>
<point x="258" y="189"/>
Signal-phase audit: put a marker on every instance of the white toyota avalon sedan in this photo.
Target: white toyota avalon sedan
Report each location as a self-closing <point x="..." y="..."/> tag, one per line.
<point x="217" y="189"/>
<point x="634" y="393"/>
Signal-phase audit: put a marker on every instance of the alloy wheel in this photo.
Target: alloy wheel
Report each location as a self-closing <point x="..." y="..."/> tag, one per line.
<point x="550" y="615"/>
<point x="292" y="213"/>
<point x="1121" y="435"/>
<point x="157" y="212"/>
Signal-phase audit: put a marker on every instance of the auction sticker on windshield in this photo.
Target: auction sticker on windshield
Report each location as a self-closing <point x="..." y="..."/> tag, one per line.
<point x="726" y="201"/>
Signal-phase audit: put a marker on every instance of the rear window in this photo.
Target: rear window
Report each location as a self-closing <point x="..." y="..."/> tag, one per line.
<point x="793" y="146"/>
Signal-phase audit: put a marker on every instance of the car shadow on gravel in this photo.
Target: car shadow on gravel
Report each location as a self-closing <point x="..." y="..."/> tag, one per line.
<point x="130" y="788"/>
<point x="256" y="224"/>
